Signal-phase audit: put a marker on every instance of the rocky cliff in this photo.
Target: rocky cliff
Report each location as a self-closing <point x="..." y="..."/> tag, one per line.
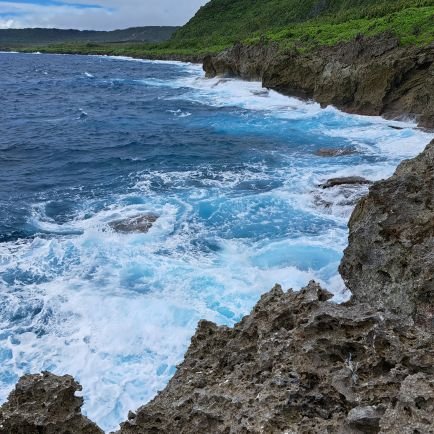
<point x="299" y="364"/>
<point x="45" y="404"/>
<point x="389" y="262"/>
<point x="369" y="75"/>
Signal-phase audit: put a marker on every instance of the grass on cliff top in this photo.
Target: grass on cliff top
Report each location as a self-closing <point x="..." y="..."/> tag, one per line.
<point x="223" y="22"/>
<point x="414" y="26"/>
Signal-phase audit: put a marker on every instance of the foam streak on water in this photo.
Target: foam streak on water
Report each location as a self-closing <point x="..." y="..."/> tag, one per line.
<point x="229" y="168"/>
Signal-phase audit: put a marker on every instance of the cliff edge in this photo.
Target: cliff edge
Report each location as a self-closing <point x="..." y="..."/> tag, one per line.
<point x="389" y="262"/>
<point x="368" y="75"/>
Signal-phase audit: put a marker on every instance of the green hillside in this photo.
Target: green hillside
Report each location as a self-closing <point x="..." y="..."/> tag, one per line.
<point x="36" y="36"/>
<point x="222" y="22"/>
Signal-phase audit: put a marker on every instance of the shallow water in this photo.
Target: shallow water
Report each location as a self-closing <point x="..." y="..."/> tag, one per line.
<point x="229" y="168"/>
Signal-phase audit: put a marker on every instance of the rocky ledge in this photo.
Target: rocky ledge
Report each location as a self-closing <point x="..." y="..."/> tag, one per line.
<point x="299" y="363"/>
<point x="369" y="75"/>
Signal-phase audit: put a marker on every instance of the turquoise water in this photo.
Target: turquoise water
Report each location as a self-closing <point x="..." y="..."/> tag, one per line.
<point x="229" y="168"/>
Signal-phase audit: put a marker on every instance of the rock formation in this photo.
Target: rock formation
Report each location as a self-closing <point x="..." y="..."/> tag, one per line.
<point x="137" y="224"/>
<point x="369" y="75"/>
<point x="389" y="262"/>
<point x="45" y="404"/>
<point x="346" y="180"/>
<point x="299" y="364"/>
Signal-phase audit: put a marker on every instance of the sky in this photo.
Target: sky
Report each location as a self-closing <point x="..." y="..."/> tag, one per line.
<point x="96" y="14"/>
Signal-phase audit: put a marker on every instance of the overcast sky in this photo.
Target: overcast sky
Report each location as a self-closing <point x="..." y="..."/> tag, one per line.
<point x="96" y="14"/>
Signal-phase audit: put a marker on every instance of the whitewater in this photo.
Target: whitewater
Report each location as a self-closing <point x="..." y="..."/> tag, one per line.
<point x="231" y="170"/>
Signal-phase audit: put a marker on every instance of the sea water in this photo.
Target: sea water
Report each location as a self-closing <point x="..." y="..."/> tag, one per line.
<point x="231" y="170"/>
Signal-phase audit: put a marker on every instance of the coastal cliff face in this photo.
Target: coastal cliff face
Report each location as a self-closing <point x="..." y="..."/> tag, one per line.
<point x="389" y="262"/>
<point x="369" y="75"/>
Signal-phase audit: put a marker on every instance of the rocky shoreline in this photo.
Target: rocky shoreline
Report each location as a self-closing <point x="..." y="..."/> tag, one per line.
<point x="299" y="363"/>
<point x="367" y="76"/>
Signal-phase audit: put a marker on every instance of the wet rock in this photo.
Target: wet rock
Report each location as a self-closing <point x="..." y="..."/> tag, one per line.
<point x="137" y="224"/>
<point x="298" y="363"/>
<point x="347" y="180"/>
<point x="45" y="404"/>
<point x="368" y="75"/>
<point x="335" y="152"/>
<point x="389" y="262"/>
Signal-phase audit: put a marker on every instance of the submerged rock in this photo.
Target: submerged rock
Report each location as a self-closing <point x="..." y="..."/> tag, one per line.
<point x="137" y="224"/>
<point x="389" y="261"/>
<point x="45" y="404"/>
<point x="347" y="180"/>
<point x="335" y="152"/>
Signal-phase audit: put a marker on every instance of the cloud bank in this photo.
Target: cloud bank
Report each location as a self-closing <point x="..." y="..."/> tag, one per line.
<point x="96" y="14"/>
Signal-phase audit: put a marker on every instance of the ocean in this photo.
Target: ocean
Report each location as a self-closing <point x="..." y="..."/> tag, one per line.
<point x="231" y="170"/>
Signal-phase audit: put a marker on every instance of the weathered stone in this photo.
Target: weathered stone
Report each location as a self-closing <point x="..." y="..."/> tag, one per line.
<point x="365" y="419"/>
<point x="347" y="180"/>
<point x="389" y="262"/>
<point x="298" y="363"/>
<point x="137" y="224"/>
<point x="45" y="404"/>
<point x="414" y="410"/>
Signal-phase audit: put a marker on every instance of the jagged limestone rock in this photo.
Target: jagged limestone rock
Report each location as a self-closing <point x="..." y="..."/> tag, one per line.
<point x="45" y="404"/>
<point x="389" y="262"/>
<point x="298" y="364"/>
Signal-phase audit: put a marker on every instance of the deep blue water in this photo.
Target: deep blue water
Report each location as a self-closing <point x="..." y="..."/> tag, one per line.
<point x="229" y="168"/>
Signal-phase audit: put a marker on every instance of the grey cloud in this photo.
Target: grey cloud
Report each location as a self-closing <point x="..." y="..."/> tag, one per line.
<point x="114" y="14"/>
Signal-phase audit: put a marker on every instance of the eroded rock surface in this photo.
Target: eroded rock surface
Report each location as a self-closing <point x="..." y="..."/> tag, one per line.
<point x="369" y="75"/>
<point x="45" y="404"/>
<point x="137" y="224"/>
<point x="389" y="262"/>
<point x="297" y="364"/>
<point x="347" y="180"/>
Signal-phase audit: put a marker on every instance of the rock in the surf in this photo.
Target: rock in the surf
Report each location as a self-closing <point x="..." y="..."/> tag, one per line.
<point x="346" y="180"/>
<point x="335" y="152"/>
<point x="137" y="224"/>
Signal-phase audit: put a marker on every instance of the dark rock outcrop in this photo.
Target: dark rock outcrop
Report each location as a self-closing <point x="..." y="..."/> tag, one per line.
<point x="369" y="75"/>
<point x="347" y="180"/>
<point x="137" y="224"/>
<point x="389" y="262"/>
<point x="45" y="404"/>
<point x="298" y="364"/>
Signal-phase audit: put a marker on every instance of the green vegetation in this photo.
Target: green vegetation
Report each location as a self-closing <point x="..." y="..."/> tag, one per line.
<point x="223" y="22"/>
<point x="303" y="25"/>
